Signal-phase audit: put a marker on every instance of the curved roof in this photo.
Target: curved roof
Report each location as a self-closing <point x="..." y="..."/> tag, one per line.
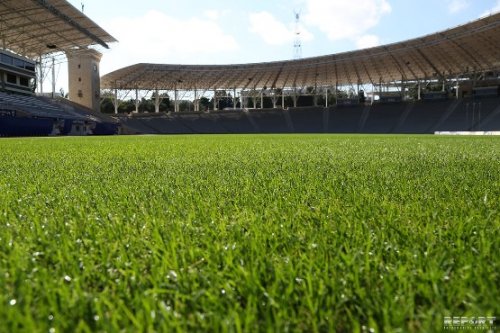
<point x="37" y="27"/>
<point x="473" y="47"/>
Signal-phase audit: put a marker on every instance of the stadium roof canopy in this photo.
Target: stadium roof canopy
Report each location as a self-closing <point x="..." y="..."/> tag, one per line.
<point x="463" y="50"/>
<point x="36" y="27"/>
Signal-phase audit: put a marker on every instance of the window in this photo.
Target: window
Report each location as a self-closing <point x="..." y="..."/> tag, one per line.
<point x="7" y="59"/>
<point x="30" y="67"/>
<point x="79" y="66"/>
<point x="79" y="79"/>
<point x="95" y="68"/>
<point x="19" y="63"/>
<point x="24" y="81"/>
<point x="11" y="78"/>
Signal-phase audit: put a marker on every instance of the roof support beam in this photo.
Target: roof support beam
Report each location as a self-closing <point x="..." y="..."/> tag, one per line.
<point x="70" y="21"/>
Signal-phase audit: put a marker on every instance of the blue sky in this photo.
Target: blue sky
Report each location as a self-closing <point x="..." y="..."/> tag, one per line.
<point x="236" y="31"/>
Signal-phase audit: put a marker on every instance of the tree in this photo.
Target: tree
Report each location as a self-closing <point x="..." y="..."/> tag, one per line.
<point x="204" y="103"/>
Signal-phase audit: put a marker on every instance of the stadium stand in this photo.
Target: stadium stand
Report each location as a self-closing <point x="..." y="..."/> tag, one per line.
<point x="26" y="36"/>
<point x="413" y="63"/>
<point x="270" y="120"/>
<point x="307" y="119"/>
<point x="383" y="118"/>
<point x="235" y="121"/>
<point x="345" y="119"/>
<point x="421" y="117"/>
<point x="65" y="117"/>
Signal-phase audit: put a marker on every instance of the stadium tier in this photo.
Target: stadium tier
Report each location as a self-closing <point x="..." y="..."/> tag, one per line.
<point x="423" y="117"/>
<point x="414" y="86"/>
<point x="20" y="114"/>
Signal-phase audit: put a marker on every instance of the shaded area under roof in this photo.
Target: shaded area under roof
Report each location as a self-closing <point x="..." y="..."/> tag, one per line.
<point x="469" y="48"/>
<point x="37" y="27"/>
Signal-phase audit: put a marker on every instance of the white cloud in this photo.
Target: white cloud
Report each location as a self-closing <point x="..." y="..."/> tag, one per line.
<point x="341" y="19"/>
<point x="274" y="32"/>
<point x="367" y="41"/>
<point x="456" y="6"/>
<point x="214" y="14"/>
<point x="496" y="8"/>
<point x="157" y="37"/>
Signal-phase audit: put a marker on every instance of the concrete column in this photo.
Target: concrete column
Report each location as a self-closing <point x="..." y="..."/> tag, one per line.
<point x="196" y="101"/>
<point x="157" y="100"/>
<point x="262" y="98"/>
<point x="315" y="96"/>
<point x="41" y="77"/>
<point x="136" y="100"/>
<point x="176" y="102"/>
<point x="326" y="97"/>
<point x="53" y="77"/>
<point x="215" y="100"/>
<point x="116" y="101"/>
<point x="336" y="92"/>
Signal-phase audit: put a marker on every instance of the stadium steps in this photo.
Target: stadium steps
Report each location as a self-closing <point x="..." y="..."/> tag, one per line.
<point x="235" y="122"/>
<point x="345" y="119"/>
<point x="270" y="120"/>
<point x="383" y="118"/>
<point x="491" y="122"/>
<point x="288" y="121"/>
<point x="326" y="119"/>
<point x="364" y="117"/>
<point x="307" y="119"/>
<point x="423" y="117"/>
<point x="447" y="119"/>
<point x="402" y="118"/>
<point x="139" y="126"/>
<point x="36" y="106"/>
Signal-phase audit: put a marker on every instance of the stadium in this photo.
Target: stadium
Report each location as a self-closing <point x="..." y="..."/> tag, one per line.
<point x="317" y="199"/>
<point x="428" y="84"/>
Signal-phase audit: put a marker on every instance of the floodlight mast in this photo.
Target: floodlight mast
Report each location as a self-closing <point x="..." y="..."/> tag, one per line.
<point x="297" y="43"/>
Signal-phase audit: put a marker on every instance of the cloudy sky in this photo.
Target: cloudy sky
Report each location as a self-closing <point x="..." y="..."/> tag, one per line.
<point x="245" y="31"/>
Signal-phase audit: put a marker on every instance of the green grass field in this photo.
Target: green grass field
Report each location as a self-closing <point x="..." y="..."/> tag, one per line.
<point x="248" y="233"/>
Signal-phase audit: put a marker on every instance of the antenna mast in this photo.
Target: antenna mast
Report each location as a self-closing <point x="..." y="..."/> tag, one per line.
<point x="297" y="43"/>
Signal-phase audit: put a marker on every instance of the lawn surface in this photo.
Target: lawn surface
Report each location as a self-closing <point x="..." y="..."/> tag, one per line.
<point x="248" y="233"/>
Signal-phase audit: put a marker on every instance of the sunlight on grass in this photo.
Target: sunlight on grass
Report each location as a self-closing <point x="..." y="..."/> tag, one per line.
<point x="248" y="233"/>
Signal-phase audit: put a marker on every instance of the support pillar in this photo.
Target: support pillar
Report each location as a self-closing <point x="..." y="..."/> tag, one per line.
<point x="176" y="102"/>
<point x="283" y="98"/>
<point x="53" y="77"/>
<point x="418" y="91"/>
<point x="315" y="96"/>
<point x="234" y="98"/>
<point x="215" y="100"/>
<point x="41" y="78"/>
<point x="326" y="97"/>
<point x="136" y="100"/>
<point x="157" y="101"/>
<point x="116" y="101"/>
<point x="196" y="101"/>
<point x="336" y="92"/>
<point x="262" y="99"/>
